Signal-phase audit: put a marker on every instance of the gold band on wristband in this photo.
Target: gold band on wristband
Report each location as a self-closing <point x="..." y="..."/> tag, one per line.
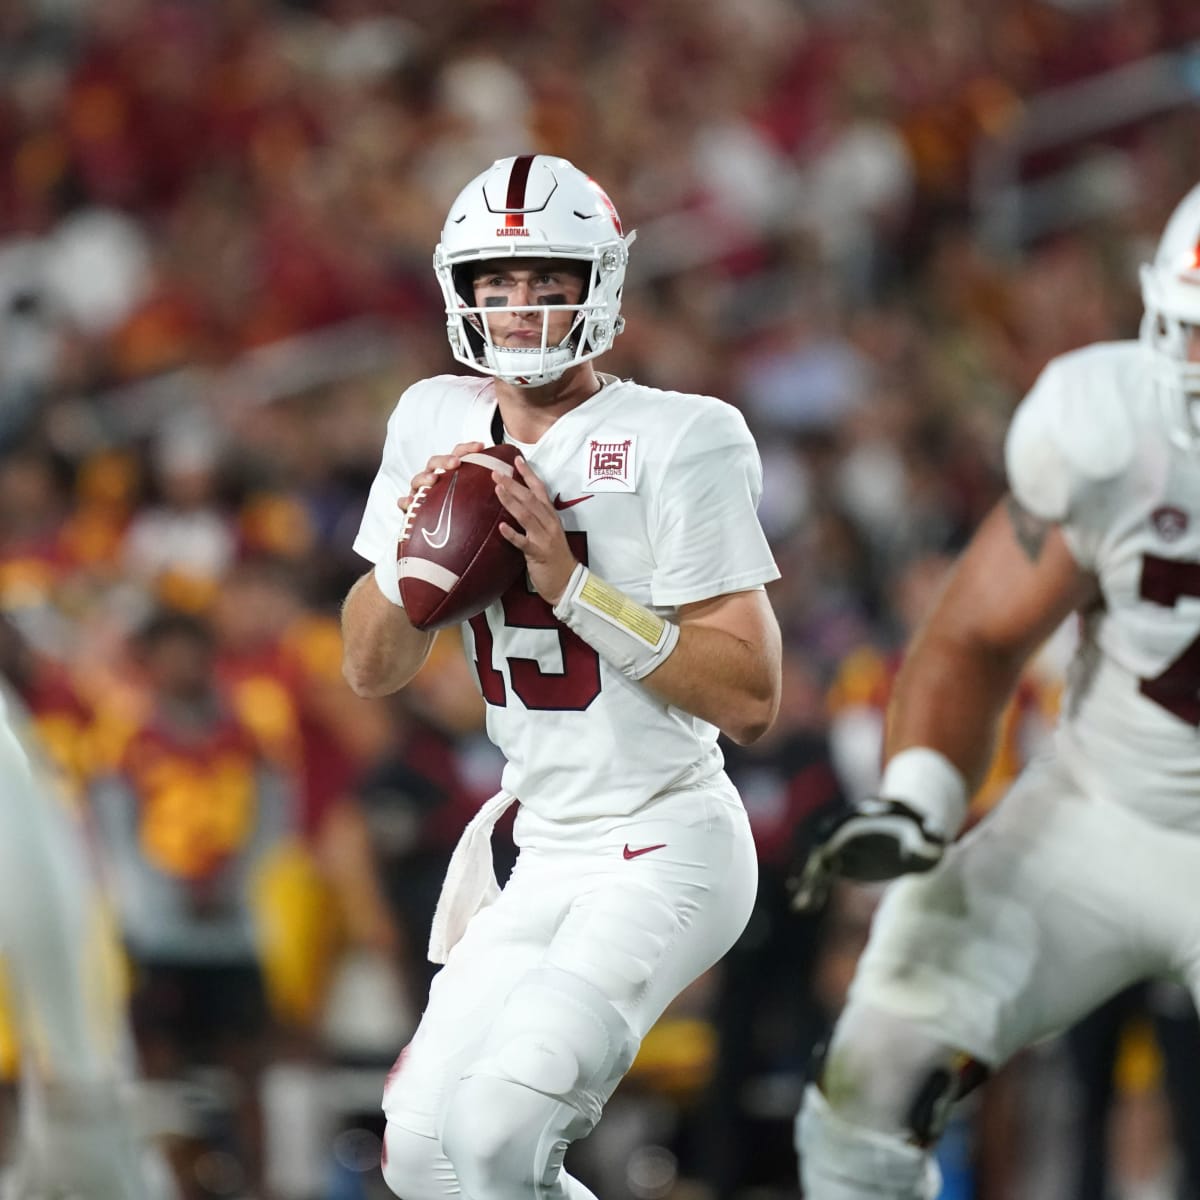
<point x="622" y="610"/>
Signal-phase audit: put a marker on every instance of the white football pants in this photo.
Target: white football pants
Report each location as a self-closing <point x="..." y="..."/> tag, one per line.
<point x="1054" y="903"/>
<point x="541" y="1006"/>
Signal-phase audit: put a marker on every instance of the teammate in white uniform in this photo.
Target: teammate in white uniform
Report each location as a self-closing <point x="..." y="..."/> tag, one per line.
<point x="1084" y="879"/>
<point x="643" y="629"/>
<point x="76" y="1135"/>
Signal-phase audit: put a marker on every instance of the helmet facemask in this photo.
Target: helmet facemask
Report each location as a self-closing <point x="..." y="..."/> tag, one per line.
<point x="590" y="333"/>
<point x="1170" y="325"/>
<point x="525" y="210"/>
<point x="1175" y="376"/>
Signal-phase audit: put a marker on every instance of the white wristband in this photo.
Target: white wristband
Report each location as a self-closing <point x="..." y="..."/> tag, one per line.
<point x="625" y="633"/>
<point x="931" y="785"/>
<point x="387" y="576"/>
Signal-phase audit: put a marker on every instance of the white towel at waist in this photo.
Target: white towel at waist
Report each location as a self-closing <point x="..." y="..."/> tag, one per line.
<point x="470" y="882"/>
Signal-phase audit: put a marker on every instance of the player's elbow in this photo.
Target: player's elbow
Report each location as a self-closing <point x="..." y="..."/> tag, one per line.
<point x="756" y="702"/>
<point x="362" y="679"/>
<point x="748" y="730"/>
<point x="369" y="676"/>
<point x="752" y="717"/>
<point x="744" y="734"/>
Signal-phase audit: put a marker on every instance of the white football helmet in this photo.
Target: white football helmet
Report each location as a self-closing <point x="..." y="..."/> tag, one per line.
<point x="1171" y="296"/>
<point x="533" y="206"/>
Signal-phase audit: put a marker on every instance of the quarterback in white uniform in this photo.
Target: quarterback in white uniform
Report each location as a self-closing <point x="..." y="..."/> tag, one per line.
<point x="642" y="630"/>
<point x="1084" y="879"/>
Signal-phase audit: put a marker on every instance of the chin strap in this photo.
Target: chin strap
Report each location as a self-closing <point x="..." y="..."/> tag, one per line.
<point x="528" y="368"/>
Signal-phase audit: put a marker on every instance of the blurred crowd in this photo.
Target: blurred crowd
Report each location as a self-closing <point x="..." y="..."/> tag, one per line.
<point x="216" y="226"/>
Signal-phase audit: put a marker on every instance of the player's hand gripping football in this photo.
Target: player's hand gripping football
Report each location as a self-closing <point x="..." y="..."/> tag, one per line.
<point x="876" y="840"/>
<point x="437" y="465"/>
<point x="544" y="542"/>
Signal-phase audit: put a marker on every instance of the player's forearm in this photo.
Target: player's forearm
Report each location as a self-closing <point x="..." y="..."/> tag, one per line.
<point x="381" y="651"/>
<point x="720" y="678"/>
<point x="720" y="661"/>
<point x="949" y="696"/>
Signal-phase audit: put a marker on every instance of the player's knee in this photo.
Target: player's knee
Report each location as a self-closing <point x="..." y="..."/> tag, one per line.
<point x="506" y="1142"/>
<point x="414" y="1166"/>
<point x="843" y="1160"/>
<point x="884" y="1073"/>
<point x="552" y="1057"/>
<point x="493" y="1155"/>
<point x="559" y="1035"/>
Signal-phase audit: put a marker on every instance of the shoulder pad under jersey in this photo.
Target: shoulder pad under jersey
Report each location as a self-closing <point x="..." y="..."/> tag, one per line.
<point x="701" y="424"/>
<point x="1073" y="428"/>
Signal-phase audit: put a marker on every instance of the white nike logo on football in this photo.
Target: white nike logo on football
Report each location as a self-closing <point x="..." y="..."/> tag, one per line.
<point x="441" y="531"/>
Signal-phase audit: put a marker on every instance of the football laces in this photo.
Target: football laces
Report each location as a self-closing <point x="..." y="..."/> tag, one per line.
<point x="417" y="500"/>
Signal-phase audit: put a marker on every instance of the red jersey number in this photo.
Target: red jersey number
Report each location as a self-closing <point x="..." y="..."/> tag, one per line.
<point x="1177" y="689"/>
<point x="570" y="690"/>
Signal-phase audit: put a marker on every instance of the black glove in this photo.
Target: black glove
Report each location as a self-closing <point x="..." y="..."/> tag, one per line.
<point x="875" y="841"/>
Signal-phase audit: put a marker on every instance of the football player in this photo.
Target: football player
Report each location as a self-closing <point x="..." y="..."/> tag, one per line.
<point x="76" y="1134"/>
<point x="1083" y="879"/>
<point x="643" y="629"/>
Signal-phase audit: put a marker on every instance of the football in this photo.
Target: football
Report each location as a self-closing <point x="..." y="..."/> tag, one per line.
<point x="453" y="559"/>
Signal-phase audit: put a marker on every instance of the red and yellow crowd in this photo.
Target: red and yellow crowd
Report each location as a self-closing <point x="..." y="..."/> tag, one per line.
<point x="216" y="227"/>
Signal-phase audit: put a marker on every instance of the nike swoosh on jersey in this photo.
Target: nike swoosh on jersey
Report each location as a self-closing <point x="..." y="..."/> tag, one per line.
<point x="627" y="853"/>
<point x="560" y="503"/>
<point x="441" y="531"/>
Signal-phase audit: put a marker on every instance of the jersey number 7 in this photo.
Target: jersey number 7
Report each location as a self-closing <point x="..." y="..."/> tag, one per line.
<point x="1177" y="688"/>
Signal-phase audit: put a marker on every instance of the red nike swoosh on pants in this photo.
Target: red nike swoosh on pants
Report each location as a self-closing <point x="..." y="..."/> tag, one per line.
<point x="560" y="503"/>
<point x="642" y="850"/>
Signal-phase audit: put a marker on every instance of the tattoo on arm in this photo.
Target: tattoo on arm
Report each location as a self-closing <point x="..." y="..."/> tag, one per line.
<point x="1030" y="531"/>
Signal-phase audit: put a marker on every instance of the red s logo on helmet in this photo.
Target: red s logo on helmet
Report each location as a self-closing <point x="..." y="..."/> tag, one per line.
<point x="608" y="204"/>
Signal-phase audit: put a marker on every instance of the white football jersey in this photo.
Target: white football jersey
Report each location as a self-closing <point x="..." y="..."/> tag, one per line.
<point x="1090" y="448"/>
<point x="658" y="493"/>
